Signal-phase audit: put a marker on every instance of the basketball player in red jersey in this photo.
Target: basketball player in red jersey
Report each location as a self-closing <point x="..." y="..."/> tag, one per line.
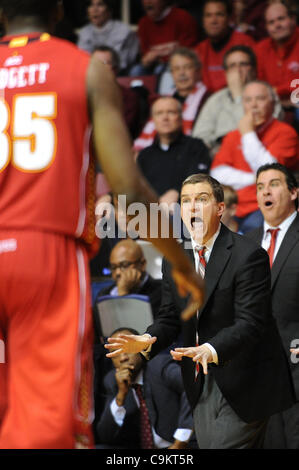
<point x="50" y="93"/>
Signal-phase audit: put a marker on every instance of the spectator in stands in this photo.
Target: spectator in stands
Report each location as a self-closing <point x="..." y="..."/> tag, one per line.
<point x="223" y="110"/>
<point x="248" y="17"/>
<point x="230" y="203"/>
<point x="130" y="98"/>
<point x="278" y="55"/>
<point x="220" y="38"/>
<point x="278" y="200"/>
<point x="146" y="406"/>
<point x="160" y="31"/>
<point x="103" y="30"/>
<point x="128" y="270"/>
<point x="259" y="139"/>
<point x="189" y="90"/>
<point x="173" y="156"/>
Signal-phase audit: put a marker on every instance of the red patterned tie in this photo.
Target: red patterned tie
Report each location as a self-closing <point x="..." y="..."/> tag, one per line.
<point x="202" y="268"/>
<point x="271" y="248"/>
<point x="146" y="437"/>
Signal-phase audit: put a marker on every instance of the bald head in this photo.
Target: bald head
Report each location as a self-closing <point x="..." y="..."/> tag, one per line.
<point x="167" y="116"/>
<point x="129" y="247"/>
<point x="126" y="255"/>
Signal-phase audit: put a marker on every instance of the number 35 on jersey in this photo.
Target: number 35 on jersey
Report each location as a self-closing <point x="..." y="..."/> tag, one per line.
<point x="28" y="137"/>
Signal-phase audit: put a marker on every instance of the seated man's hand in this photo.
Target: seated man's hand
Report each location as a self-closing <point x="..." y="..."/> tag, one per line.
<point x="123" y="377"/>
<point x="129" y="344"/>
<point x="200" y="354"/>
<point x="128" y="281"/>
<point x="248" y="123"/>
<point x="150" y="57"/>
<point x="178" y="445"/>
<point x="235" y="82"/>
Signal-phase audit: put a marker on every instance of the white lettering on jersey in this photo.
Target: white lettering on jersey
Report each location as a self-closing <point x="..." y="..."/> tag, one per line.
<point x="26" y="75"/>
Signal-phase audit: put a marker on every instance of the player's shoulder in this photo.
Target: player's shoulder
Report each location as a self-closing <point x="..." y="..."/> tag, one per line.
<point x="64" y="46"/>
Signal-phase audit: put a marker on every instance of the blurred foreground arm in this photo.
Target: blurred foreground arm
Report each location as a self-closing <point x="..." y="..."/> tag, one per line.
<point x="113" y="148"/>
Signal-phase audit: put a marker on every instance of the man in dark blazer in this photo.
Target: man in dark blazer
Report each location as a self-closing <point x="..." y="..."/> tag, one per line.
<point x="168" y="408"/>
<point x="244" y="376"/>
<point x="128" y="270"/>
<point x="278" y="201"/>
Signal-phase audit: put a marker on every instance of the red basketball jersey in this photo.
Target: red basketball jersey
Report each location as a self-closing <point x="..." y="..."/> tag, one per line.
<point x="46" y="176"/>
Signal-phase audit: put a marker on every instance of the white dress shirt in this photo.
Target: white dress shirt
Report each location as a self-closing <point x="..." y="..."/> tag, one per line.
<point x="209" y="247"/>
<point x="119" y="413"/>
<point x="284" y="226"/>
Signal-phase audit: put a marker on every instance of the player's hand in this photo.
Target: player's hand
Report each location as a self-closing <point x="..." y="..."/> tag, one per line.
<point x="201" y="354"/>
<point x="131" y="344"/>
<point x="189" y="282"/>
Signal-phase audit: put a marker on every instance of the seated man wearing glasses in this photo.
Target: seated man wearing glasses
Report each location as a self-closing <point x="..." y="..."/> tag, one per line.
<point x="128" y="270"/>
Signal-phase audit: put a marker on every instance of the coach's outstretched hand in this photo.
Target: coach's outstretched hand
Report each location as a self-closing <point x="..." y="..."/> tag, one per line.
<point x="131" y="344"/>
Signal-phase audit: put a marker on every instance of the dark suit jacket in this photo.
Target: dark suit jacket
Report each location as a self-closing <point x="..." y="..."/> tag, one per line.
<point x="165" y="398"/>
<point x="285" y="290"/>
<point x="253" y="373"/>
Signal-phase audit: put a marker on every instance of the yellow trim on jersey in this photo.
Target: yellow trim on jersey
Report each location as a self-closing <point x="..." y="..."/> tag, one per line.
<point x="45" y="37"/>
<point x="19" y="41"/>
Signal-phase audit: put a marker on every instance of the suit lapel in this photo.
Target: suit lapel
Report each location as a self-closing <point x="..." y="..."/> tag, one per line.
<point x="219" y="257"/>
<point x="257" y="236"/>
<point x="290" y="239"/>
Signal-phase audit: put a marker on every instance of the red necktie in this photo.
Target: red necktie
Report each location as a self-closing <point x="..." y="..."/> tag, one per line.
<point x="271" y="248"/>
<point x="202" y="261"/>
<point x="202" y="268"/>
<point x="146" y="437"/>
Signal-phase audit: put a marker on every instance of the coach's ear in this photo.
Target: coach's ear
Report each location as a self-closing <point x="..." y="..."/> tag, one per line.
<point x="221" y="207"/>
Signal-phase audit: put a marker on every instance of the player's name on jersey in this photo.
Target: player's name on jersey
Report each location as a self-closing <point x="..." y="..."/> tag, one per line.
<point x="23" y="76"/>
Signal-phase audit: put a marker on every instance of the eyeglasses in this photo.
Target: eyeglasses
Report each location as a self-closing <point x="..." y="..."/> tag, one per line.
<point x="123" y="265"/>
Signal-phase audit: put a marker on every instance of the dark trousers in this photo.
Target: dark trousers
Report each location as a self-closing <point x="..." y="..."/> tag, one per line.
<point x="217" y="426"/>
<point x="283" y="430"/>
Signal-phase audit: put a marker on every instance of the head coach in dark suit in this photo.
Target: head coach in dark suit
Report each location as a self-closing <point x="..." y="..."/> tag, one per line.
<point x="235" y="370"/>
<point x="278" y="201"/>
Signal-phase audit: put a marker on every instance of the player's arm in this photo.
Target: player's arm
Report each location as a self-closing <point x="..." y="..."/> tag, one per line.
<point x="113" y="148"/>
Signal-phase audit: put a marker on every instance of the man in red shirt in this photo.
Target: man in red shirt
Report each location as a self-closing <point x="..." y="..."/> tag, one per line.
<point x="278" y="55"/>
<point x="160" y="31"/>
<point x="260" y="139"/>
<point x="50" y="92"/>
<point x="220" y="38"/>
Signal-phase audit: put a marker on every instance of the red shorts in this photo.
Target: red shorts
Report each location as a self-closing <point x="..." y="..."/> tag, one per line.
<point x="46" y="396"/>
